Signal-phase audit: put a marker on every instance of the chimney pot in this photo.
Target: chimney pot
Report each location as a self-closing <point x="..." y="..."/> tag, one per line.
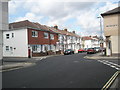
<point x="74" y="32"/>
<point x="65" y="29"/>
<point x="56" y="27"/>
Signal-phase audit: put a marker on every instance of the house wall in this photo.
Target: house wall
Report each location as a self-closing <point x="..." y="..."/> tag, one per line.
<point x="87" y="44"/>
<point x="111" y="28"/>
<point x="40" y="39"/>
<point x="115" y="44"/>
<point x="111" y="25"/>
<point x="42" y="44"/>
<point x="19" y="43"/>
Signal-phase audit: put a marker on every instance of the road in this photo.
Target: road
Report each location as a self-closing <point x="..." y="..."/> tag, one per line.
<point x="69" y="71"/>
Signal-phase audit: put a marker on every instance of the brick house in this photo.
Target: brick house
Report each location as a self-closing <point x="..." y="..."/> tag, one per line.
<point x="27" y="38"/>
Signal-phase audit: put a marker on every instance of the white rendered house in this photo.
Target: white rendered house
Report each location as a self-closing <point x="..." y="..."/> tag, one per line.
<point x="15" y="43"/>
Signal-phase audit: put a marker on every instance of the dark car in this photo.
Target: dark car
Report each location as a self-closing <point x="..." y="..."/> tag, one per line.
<point x="68" y="51"/>
<point x="91" y="50"/>
<point x="97" y="49"/>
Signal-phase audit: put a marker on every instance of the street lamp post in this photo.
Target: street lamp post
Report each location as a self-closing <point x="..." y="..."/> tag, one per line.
<point x="101" y="37"/>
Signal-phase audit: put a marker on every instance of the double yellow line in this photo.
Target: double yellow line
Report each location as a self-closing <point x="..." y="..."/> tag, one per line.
<point x="108" y="84"/>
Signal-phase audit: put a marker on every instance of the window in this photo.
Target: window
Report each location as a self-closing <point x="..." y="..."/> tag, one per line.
<point x="52" y="47"/>
<point x="51" y="36"/>
<point x="59" y="36"/>
<point x="7" y="36"/>
<point x="34" y="34"/>
<point x="46" y="35"/>
<point x="7" y="48"/>
<point x="11" y="49"/>
<point x="12" y="35"/>
<point x="34" y="47"/>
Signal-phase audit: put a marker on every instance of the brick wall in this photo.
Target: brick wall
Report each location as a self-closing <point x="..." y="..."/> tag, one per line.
<point x="40" y="40"/>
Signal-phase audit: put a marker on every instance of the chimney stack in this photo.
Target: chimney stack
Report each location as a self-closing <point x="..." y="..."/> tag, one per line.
<point x="74" y="32"/>
<point x="65" y="29"/>
<point x="56" y="27"/>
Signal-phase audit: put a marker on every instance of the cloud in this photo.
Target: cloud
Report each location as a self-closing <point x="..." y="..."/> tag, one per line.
<point x="31" y="17"/>
<point x="60" y="12"/>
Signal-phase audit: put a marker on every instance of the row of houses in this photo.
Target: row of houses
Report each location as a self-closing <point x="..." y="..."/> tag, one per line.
<point x="26" y="39"/>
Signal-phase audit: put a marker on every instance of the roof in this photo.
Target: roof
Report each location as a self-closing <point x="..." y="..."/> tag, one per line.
<point x="28" y="24"/>
<point x="90" y="38"/>
<point x="62" y="31"/>
<point x="35" y="25"/>
<point x="86" y="38"/>
<point x="113" y="11"/>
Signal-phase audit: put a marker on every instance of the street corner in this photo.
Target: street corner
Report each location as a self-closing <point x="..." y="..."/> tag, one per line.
<point x="10" y="67"/>
<point x="91" y="57"/>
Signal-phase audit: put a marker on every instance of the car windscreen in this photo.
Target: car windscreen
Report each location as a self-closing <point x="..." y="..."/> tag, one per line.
<point x="90" y="48"/>
<point x="68" y="50"/>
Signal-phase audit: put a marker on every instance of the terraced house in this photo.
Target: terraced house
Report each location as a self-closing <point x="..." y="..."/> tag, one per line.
<point x="26" y="39"/>
<point x="90" y="42"/>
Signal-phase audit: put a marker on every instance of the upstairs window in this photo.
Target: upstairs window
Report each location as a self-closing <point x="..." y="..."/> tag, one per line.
<point x="7" y="36"/>
<point x="46" y="35"/>
<point x="34" y="34"/>
<point x="51" y="36"/>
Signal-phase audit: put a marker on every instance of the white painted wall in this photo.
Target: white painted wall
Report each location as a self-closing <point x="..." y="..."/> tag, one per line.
<point x="88" y="44"/>
<point x="20" y="42"/>
<point x="115" y="44"/>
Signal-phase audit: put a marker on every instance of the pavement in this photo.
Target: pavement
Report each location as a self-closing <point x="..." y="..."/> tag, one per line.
<point x="10" y="63"/>
<point x="101" y="56"/>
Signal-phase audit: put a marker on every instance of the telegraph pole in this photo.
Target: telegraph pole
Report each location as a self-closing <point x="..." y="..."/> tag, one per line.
<point x="101" y="36"/>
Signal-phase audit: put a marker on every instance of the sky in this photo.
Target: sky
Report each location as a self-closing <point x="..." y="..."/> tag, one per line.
<point x="75" y="15"/>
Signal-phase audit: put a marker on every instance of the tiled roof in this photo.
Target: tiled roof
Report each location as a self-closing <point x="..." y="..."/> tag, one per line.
<point x="90" y="38"/>
<point x="86" y="38"/>
<point x="113" y="11"/>
<point x="27" y="23"/>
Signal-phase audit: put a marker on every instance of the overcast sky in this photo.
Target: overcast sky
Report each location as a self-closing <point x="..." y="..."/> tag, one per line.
<point x="71" y="14"/>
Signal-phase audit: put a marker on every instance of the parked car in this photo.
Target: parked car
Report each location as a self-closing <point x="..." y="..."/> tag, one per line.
<point x="68" y="51"/>
<point x="81" y="50"/>
<point x="91" y="50"/>
<point x="97" y="49"/>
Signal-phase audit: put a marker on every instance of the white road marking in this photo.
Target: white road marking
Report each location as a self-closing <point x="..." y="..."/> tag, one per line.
<point x="111" y="64"/>
<point x="40" y="58"/>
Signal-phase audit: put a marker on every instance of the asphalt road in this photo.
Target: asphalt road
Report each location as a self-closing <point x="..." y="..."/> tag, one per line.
<point x="69" y="71"/>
